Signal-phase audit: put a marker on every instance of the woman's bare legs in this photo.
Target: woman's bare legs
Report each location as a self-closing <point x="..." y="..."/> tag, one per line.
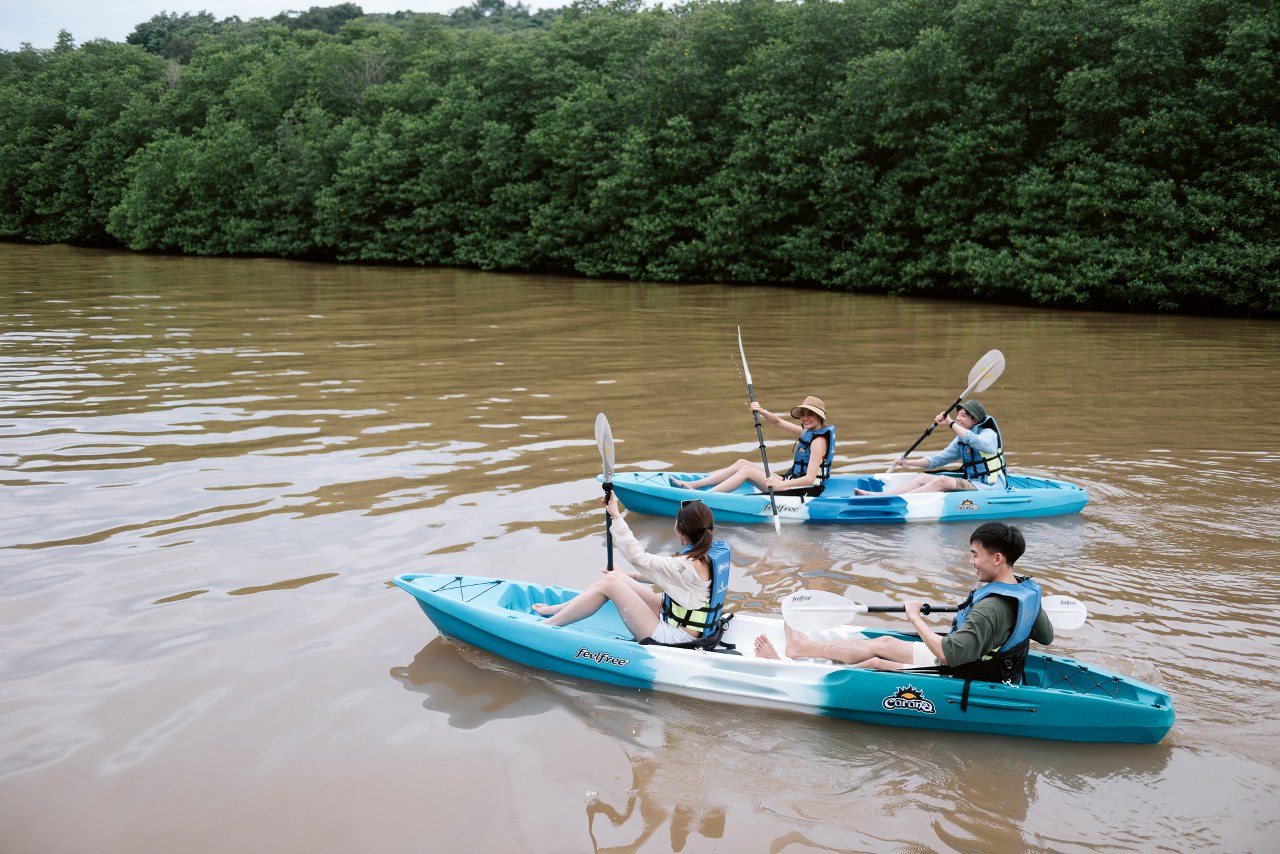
<point x="729" y="478"/>
<point x="638" y="604"/>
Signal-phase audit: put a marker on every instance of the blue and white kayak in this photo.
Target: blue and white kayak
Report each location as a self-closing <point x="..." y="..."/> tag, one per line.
<point x="1062" y="699"/>
<point x="652" y="493"/>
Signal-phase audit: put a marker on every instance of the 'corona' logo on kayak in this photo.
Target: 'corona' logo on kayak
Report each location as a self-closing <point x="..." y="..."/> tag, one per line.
<point x="601" y="657"/>
<point x="909" y="697"/>
<point x="967" y="504"/>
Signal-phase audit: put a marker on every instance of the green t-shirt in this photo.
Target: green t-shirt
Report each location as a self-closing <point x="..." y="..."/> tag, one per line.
<point x="988" y="626"/>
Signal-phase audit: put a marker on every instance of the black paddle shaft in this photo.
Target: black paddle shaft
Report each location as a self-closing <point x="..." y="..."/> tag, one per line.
<point x="764" y="457"/>
<point x="608" y="522"/>
<point x="927" y="433"/>
<point x="926" y="609"/>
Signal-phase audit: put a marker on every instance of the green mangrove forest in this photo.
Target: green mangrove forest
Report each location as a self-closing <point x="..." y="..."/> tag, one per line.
<point x="1092" y="153"/>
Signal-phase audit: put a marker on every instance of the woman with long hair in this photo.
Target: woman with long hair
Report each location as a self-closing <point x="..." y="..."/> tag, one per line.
<point x="692" y="582"/>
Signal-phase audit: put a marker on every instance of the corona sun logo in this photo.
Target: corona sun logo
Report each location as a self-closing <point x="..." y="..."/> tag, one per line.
<point x="967" y="504"/>
<point x="911" y="698"/>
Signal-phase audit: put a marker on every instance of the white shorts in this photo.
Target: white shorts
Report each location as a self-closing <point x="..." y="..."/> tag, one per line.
<point x="920" y="655"/>
<point x="664" y="632"/>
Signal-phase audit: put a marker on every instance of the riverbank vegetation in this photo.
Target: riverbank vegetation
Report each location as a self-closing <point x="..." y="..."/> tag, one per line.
<point x="1108" y="153"/>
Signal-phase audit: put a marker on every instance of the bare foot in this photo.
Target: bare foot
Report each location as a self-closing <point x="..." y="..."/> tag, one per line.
<point x="858" y="491"/>
<point x="796" y="643"/>
<point x="764" y="649"/>
<point x="546" y="610"/>
<point x="681" y="484"/>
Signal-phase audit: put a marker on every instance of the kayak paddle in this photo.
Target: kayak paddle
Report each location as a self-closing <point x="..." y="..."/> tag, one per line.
<point x="604" y="441"/>
<point x="819" y="610"/>
<point x="764" y="458"/>
<point x="985" y="371"/>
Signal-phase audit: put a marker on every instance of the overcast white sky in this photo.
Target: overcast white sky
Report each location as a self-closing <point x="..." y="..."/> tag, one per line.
<point x="38" y="21"/>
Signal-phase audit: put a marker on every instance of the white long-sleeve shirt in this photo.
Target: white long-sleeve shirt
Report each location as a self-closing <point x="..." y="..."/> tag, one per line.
<point x="677" y="575"/>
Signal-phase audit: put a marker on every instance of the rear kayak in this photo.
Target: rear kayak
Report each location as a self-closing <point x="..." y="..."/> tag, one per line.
<point x="652" y="493"/>
<point x="1062" y="699"/>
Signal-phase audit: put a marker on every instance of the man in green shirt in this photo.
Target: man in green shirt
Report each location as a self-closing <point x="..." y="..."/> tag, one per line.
<point x="989" y="639"/>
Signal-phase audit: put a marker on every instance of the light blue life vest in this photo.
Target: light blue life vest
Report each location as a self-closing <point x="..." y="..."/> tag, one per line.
<point x="1026" y="594"/>
<point x="800" y="466"/>
<point x="704" y="618"/>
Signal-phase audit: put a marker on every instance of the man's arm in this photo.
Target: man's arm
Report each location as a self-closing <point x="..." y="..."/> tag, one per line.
<point x="927" y="635"/>
<point x="990" y="619"/>
<point x="1042" y="630"/>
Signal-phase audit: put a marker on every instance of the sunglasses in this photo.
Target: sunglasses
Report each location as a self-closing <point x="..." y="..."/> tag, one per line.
<point x="688" y="501"/>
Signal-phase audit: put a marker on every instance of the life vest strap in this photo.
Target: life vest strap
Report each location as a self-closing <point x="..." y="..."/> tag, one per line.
<point x="711" y="641"/>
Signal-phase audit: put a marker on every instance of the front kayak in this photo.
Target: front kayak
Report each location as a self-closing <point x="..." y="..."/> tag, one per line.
<point x="1061" y="699"/>
<point x="653" y="494"/>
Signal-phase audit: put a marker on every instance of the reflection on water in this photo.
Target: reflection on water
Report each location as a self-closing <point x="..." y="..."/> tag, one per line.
<point x="827" y="784"/>
<point x="469" y="695"/>
<point x="178" y="433"/>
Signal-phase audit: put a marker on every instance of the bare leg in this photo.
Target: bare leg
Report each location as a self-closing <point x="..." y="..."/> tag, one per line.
<point x="579" y="607"/>
<point x="923" y="483"/>
<point x="748" y="472"/>
<point x="736" y="474"/>
<point x="637" y="604"/>
<point x="848" y="650"/>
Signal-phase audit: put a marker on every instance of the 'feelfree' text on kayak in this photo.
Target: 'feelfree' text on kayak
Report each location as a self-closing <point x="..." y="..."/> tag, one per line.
<point x="601" y="657"/>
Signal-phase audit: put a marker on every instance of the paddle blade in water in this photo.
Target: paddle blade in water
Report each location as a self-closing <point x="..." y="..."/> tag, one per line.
<point x="604" y="441"/>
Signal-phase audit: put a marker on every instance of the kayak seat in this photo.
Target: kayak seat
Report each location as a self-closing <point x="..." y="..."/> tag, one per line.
<point x="712" y="641"/>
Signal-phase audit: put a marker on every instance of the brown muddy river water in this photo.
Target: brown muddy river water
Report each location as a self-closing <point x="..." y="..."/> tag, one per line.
<point x="212" y="469"/>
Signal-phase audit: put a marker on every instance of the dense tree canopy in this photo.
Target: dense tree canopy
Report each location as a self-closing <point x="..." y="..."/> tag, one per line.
<point x="1113" y="153"/>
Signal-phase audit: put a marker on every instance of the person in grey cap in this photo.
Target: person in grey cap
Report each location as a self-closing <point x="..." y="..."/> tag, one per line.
<point x="977" y="446"/>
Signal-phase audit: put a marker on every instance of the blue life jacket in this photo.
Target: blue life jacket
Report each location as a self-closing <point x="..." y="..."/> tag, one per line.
<point x="1006" y="662"/>
<point x="800" y="465"/>
<point x="1026" y="594"/>
<point x="707" y="617"/>
<point x="977" y="466"/>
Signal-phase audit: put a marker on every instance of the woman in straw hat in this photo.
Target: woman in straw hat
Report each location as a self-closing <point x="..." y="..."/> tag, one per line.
<point x="815" y="449"/>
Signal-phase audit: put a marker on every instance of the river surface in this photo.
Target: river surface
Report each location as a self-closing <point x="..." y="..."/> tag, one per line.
<point x="212" y="469"/>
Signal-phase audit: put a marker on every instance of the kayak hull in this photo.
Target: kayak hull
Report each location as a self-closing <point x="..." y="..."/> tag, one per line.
<point x="1027" y="497"/>
<point x="1062" y="700"/>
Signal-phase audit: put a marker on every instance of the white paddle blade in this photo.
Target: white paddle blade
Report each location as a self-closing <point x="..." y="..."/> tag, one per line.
<point x="743" y="354"/>
<point x="985" y="372"/>
<point x="604" y="441"/>
<point x="1065" y="612"/>
<point x="818" y="610"/>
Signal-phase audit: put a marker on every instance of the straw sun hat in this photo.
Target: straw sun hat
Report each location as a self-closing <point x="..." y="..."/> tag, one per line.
<point x="814" y="405"/>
